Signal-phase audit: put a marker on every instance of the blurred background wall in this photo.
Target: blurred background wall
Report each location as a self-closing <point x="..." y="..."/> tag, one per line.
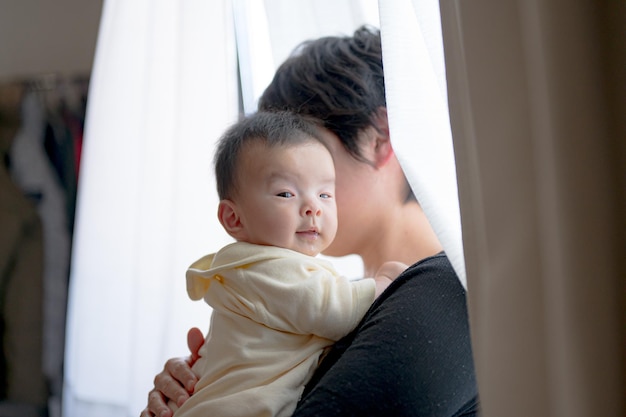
<point x="46" y="56"/>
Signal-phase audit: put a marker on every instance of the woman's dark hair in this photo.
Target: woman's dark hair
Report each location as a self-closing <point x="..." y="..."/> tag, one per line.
<point x="270" y="128"/>
<point x="338" y="80"/>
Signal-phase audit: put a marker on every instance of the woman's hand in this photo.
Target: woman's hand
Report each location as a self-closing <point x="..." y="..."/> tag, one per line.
<point x="176" y="382"/>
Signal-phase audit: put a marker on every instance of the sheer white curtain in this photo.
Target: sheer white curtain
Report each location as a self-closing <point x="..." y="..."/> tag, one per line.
<point x="163" y="89"/>
<point x="419" y="124"/>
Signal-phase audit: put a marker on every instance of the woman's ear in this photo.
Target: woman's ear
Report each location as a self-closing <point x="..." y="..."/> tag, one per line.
<point x="382" y="150"/>
<point x="228" y="216"/>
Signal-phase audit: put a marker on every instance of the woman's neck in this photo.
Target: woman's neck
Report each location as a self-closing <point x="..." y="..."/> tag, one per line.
<point x="406" y="237"/>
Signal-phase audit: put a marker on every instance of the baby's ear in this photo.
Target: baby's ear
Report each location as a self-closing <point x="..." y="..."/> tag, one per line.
<point x="228" y="216"/>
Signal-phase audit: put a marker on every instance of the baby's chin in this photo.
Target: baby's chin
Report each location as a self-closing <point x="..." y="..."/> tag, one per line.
<point x="308" y="251"/>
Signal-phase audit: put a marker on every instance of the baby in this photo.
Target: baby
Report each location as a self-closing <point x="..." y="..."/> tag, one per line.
<point x="276" y="307"/>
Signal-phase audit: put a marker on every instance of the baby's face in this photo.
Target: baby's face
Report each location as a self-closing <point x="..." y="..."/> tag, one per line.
<point x="286" y="196"/>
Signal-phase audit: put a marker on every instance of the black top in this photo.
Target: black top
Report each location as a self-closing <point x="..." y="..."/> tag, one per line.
<point x="410" y="355"/>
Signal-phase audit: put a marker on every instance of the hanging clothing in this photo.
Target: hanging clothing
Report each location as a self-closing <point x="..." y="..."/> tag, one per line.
<point x="23" y="383"/>
<point x="34" y="174"/>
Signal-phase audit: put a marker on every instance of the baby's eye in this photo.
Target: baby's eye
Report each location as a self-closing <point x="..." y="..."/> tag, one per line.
<point x="285" y="194"/>
<point x="324" y="195"/>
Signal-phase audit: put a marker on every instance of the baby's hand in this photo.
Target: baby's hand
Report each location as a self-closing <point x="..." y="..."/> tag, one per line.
<point x="391" y="270"/>
<point x="386" y="274"/>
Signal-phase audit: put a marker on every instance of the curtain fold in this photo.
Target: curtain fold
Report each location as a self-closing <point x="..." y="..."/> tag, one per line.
<point x="162" y="90"/>
<point x="419" y="123"/>
<point x="540" y="167"/>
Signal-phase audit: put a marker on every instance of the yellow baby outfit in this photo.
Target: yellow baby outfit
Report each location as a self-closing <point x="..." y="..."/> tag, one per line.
<point x="274" y="313"/>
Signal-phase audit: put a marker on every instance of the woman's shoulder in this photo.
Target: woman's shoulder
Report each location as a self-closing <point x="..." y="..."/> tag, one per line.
<point x="411" y="348"/>
<point x="434" y="274"/>
<point x="435" y="263"/>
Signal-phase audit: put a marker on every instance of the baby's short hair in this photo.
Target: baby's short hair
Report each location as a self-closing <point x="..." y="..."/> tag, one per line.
<point x="272" y="129"/>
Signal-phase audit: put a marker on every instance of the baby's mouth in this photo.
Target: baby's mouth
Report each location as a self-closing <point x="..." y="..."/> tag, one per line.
<point x="309" y="233"/>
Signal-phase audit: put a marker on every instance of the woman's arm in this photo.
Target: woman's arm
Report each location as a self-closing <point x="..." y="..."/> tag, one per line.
<point x="176" y="382"/>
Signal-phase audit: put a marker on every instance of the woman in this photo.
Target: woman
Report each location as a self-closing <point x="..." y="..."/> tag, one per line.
<point x="411" y="353"/>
